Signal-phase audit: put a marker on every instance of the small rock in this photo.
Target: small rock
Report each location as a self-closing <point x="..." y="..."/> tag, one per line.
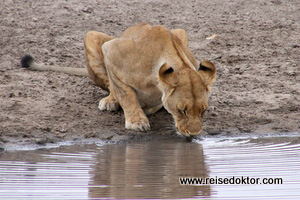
<point x="11" y="95"/>
<point x="214" y="114"/>
<point x="63" y="131"/>
<point x="258" y="102"/>
<point x="290" y="73"/>
<point x="263" y="121"/>
<point x="88" y="10"/>
<point x="214" y="36"/>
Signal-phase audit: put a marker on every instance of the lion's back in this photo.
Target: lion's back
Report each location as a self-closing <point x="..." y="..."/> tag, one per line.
<point x="147" y="33"/>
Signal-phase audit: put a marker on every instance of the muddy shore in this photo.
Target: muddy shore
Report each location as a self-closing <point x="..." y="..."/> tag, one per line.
<point x="256" y="52"/>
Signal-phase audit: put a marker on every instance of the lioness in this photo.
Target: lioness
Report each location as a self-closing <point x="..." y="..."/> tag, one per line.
<point x="145" y="69"/>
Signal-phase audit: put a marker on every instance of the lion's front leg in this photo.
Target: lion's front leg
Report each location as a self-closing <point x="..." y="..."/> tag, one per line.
<point x="135" y="118"/>
<point x="109" y="103"/>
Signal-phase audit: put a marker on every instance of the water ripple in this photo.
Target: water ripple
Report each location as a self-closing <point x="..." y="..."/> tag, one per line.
<point x="152" y="169"/>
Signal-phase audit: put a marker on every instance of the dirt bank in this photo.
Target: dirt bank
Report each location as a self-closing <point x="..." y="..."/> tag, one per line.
<point x="257" y="55"/>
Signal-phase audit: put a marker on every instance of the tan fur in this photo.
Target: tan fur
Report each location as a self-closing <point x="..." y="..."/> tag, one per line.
<point x="145" y="69"/>
<point x="67" y="70"/>
<point x="135" y="69"/>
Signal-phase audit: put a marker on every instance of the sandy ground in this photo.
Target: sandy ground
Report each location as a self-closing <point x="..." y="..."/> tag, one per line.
<point x="257" y="55"/>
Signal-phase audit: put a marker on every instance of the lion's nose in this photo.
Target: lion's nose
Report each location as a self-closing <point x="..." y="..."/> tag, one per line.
<point x="194" y="127"/>
<point x="189" y="133"/>
<point x="182" y="131"/>
<point x="193" y="133"/>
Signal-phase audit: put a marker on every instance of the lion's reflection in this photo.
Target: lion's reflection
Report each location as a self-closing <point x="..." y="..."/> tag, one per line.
<point x="148" y="170"/>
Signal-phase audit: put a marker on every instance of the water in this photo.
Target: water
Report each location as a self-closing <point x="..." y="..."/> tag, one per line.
<point x="152" y="170"/>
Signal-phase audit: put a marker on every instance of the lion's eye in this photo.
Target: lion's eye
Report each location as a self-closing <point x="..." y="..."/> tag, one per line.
<point x="183" y="111"/>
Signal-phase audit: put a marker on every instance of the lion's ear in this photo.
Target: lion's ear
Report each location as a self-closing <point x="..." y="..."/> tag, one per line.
<point x="207" y="71"/>
<point x="167" y="75"/>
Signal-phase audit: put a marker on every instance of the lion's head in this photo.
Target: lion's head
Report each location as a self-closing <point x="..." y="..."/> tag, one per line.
<point x="185" y="95"/>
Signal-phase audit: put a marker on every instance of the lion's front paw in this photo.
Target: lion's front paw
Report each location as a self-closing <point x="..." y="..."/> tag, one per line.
<point x="108" y="103"/>
<point x="138" y="124"/>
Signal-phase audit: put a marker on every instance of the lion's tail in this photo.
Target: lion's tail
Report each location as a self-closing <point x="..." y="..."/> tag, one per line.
<point x="28" y="62"/>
